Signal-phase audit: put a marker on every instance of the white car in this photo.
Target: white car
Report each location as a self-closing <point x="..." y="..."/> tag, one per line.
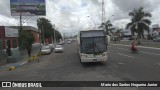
<point x="46" y="49"/>
<point x="58" y="48"/>
<point x="61" y="43"/>
<point x="69" y="42"/>
<point x="51" y="46"/>
<point x="157" y="39"/>
<point x="125" y="39"/>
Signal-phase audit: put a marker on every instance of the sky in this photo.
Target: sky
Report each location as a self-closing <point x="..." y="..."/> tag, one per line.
<point x="70" y="16"/>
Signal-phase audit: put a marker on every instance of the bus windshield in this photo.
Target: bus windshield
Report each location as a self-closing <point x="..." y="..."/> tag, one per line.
<point x="93" y="45"/>
<point x="99" y="45"/>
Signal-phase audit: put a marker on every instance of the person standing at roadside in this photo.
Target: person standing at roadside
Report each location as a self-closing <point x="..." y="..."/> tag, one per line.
<point x="29" y="49"/>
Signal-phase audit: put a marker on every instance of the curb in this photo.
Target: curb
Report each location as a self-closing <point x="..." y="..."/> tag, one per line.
<point x="36" y="57"/>
<point x="11" y="67"/>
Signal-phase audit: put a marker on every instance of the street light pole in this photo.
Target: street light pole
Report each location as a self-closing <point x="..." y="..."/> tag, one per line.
<point x="78" y="20"/>
<point x="54" y="35"/>
<point x="92" y="20"/>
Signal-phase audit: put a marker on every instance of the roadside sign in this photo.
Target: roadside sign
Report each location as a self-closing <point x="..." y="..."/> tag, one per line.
<point x="11" y="32"/>
<point x="27" y="7"/>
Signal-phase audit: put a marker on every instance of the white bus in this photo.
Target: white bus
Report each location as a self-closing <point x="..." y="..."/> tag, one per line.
<point x="92" y="46"/>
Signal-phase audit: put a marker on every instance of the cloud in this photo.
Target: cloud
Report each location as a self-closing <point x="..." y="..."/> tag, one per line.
<point x="72" y="15"/>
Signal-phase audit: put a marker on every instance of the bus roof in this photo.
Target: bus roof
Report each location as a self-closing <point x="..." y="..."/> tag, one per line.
<point x="92" y="33"/>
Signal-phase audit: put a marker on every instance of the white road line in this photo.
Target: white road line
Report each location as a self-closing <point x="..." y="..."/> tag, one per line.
<point x="23" y="63"/>
<point x="138" y="46"/>
<point x="149" y="53"/>
<point x="125" y="55"/>
<point x="158" y="64"/>
<point x="120" y="63"/>
<point x="109" y="46"/>
<point x="118" y="44"/>
<point x="123" y="49"/>
<point x="149" y="47"/>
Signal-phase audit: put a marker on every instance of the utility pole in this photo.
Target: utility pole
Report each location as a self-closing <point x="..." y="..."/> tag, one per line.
<point x="20" y="21"/>
<point x="92" y="21"/>
<point x="103" y="12"/>
<point x="54" y="35"/>
<point x="20" y="29"/>
<point x="42" y="31"/>
<point x="103" y="16"/>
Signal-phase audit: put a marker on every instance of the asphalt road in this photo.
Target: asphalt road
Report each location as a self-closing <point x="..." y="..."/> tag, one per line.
<point x="148" y="43"/>
<point x="121" y="66"/>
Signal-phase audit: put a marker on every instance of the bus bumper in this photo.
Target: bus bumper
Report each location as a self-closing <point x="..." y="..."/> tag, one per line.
<point x="95" y="59"/>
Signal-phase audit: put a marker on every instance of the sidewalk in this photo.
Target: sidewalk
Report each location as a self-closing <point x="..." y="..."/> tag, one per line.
<point x="19" y="63"/>
<point x="146" y="43"/>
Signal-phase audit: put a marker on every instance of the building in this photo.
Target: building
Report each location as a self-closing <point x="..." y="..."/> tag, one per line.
<point x="155" y="30"/>
<point x="9" y="35"/>
<point x="36" y="33"/>
<point x="127" y="33"/>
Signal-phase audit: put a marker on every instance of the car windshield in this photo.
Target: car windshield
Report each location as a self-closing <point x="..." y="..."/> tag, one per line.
<point x="50" y="44"/>
<point x="58" y="46"/>
<point x="45" y="47"/>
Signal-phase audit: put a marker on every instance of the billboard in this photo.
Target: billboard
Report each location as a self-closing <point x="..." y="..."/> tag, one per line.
<point x="27" y="7"/>
<point x="10" y="32"/>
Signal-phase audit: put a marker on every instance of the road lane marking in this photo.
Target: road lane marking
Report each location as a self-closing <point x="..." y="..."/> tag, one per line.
<point x="23" y="63"/>
<point x="123" y="49"/>
<point x="119" y="44"/>
<point x="149" y="53"/>
<point x="158" y="64"/>
<point x="126" y="55"/>
<point x="137" y="46"/>
<point x="109" y="46"/>
<point x="120" y="63"/>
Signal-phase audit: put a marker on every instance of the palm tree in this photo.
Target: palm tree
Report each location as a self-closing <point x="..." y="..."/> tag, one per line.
<point x="139" y="22"/>
<point x="46" y="28"/>
<point x="118" y="33"/>
<point x="108" y="27"/>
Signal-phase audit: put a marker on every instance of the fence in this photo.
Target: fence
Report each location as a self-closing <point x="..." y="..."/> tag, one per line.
<point x="3" y="54"/>
<point x="35" y="50"/>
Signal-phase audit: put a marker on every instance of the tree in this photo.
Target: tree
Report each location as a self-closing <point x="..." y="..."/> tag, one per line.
<point x="46" y="28"/>
<point x="108" y="27"/>
<point x="58" y="35"/>
<point x="140" y="21"/>
<point x="119" y="33"/>
<point x="26" y="39"/>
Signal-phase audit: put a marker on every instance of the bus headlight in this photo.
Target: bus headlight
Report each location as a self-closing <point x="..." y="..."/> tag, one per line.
<point x="104" y="54"/>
